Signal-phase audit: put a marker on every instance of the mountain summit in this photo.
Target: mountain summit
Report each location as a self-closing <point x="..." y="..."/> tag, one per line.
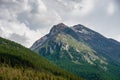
<point x="81" y="51"/>
<point x="58" y="28"/>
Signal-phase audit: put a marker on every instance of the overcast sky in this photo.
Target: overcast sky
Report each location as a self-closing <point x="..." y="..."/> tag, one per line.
<point x="25" y="21"/>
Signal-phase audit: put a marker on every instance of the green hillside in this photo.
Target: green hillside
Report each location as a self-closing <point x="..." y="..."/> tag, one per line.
<point x="20" y="63"/>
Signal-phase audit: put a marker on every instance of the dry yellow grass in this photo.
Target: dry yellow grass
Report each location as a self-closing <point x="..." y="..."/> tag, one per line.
<point x="8" y="73"/>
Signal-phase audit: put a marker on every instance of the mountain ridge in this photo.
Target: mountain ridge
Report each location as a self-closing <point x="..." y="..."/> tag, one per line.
<point x="79" y="47"/>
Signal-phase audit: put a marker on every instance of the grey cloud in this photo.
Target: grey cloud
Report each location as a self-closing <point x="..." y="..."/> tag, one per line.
<point x="22" y="39"/>
<point x="39" y="16"/>
<point x="118" y="4"/>
<point x="118" y="1"/>
<point x="40" y="13"/>
<point x="63" y="7"/>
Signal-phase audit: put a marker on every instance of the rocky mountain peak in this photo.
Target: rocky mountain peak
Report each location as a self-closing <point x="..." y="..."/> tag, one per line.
<point x="83" y="30"/>
<point x="58" y="28"/>
<point x="79" y="26"/>
<point x="61" y="24"/>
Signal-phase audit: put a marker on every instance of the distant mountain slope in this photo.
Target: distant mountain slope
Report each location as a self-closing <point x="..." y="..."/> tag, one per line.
<point x="82" y="51"/>
<point x="20" y="63"/>
<point x="102" y="45"/>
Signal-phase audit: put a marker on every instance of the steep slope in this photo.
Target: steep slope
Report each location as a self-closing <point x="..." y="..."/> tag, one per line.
<point x="20" y="63"/>
<point x="81" y="51"/>
<point x="102" y="45"/>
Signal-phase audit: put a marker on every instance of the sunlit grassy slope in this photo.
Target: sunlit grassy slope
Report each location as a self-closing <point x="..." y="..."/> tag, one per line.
<point x="20" y="63"/>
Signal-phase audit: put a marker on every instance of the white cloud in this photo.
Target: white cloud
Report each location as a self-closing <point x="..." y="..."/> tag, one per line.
<point x="117" y="37"/>
<point x="72" y="7"/>
<point x="87" y="6"/>
<point x="18" y="32"/>
<point x="111" y="8"/>
<point x="24" y="21"/>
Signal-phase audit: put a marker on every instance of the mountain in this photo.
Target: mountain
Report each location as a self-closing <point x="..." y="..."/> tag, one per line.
<point x="20" y="63"/>
<point x="81" y="51"/>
